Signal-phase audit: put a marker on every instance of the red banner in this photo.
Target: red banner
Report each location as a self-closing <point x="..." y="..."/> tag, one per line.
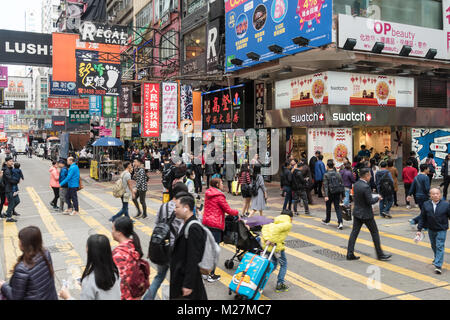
<point x="150" y="114"/>
<point x="80" y="104"/>
<point x="136" y="108"/>
<point x="58" y="103"/>
<point x="59" y="123"/>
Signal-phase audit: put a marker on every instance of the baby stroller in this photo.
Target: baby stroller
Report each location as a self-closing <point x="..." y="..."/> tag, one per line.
<point x="237" y="234"/>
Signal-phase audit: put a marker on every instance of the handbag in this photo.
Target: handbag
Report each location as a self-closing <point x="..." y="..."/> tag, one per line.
<point x="346" y="213"/>
<point x="81" y="185"/>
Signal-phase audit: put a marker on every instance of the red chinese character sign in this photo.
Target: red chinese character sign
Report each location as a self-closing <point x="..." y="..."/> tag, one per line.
<point x="150" y="115"/>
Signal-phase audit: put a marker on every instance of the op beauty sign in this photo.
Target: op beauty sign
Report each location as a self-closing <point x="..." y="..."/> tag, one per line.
<point x="254" y="25"/>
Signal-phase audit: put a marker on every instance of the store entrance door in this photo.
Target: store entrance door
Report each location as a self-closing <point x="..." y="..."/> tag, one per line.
<point x="376" y="139"/>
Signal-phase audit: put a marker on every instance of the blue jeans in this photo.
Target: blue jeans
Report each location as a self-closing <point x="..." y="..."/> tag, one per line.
<point x="156" y="283"/>
<point x="11" y="204"/>
<point x="283" y="266"/>
<point x="123" y="211"/>
<point x="386" y="204"/>
<point x="287" y="198"/>
<point x="437" y="240"/>
<point x="419" y="201"/>
<point x="347" y="197"/>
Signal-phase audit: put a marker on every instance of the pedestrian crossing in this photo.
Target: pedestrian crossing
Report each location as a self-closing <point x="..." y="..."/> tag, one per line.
<point x="313" y="273"/>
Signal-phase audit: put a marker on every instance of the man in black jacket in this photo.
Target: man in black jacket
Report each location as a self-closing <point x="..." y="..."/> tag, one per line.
<point x="412" y="157"/>
<point x="334" y="189"/>
<point x="312" y="166"/>
<point x="185" y="277"/>
<point x="286" y="181"/>
<point x="298" y="186"/>
<point x="434" y="215"/>
<point x="9" y="181"/>
<point x="445" y="171"/>
<point x="363" y="214"/>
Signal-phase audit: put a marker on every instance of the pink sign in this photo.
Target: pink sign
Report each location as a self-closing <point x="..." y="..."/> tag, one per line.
<point x="105" y="132"/>
<point x="3" y="77"/>
<point x="3" y="112"/>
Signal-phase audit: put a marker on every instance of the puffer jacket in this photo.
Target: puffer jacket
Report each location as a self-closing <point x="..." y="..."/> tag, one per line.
<point x="54" y="177"/>
<point x="215" y="208"/>
<point x="125" y="256"/>
<point x="276" y="232"/>
<point x="73" y="177"/>
<point x="31" y="283"/>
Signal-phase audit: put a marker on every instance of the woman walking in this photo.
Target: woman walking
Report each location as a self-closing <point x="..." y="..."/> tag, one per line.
<point x="100" y="279"/>
<point x="230" y="173"/>
<point x="33" y="275"/>
<point x="394" y="173"/>
<point x="126" y="183"/>
<point x="54" y="183"/>
<point x="258" y="201"/>
<point x="244" y="181"/>
<point x="216" y="206"/>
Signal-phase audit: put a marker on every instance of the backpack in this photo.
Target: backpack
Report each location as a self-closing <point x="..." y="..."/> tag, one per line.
<point x="335" y="185"/>
<point x="139" y="279"/>
<point x="430" y="165"/>
<point x="160" y="250"/>
<point x="167" y="178"/>
<point x="295" y="183"/>
<point x="253" y="188"/>
<point x="386" y="185"/>
<point x="118" y="189"/>
<point x="211" y="253"/>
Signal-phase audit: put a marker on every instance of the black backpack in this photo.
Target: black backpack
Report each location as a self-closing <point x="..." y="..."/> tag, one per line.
<point x="295" y="183"/>
<point x="335" y="185"/>
<point x="167" y="178"/>
<point x="160" y="250"/>
<point x="386" y="185"/>
<point x="429" y="162"/>
<point x="253" y="188"/>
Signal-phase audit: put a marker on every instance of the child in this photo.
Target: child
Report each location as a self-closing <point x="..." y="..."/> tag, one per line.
<point x="17" y="175"/>
<point x="276" y="233"/>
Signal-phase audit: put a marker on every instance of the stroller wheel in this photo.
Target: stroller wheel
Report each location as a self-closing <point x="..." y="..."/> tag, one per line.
<point x="229" y="264"/>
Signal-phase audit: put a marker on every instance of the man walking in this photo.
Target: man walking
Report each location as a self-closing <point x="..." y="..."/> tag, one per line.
<point x="298" y="186"/>
<point x="413" y="159"/>
<point x="363" y="214"/>
<point x="312" y="168"/>
<point x="334" y="189"/>
<point x="385" y="187"/>
<point x="421" y="189"/>
<point x="73" y="183"/>
<point x="9" y="181"/>
<point x="434" y="215"/>
<point x="63" y="171"/>
<point x="408" y="175"/>
<point x="445" y="172"/>
<point x="141" y="179"/>
<point x="319" y="171"/>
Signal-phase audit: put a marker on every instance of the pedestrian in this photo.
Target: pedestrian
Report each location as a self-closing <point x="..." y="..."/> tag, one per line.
<point x="298" y="187"/>
<point x="165" y="212"/>
<point x="319" y="171"/>
<point x="394" y="173"/>
<point x="408" y="175"/>
<point x="258" y="201"/>
<point x="190" y="184"/>
<point x="9" y="182"/>
<point x="63" y="172"/>
<point x="100" y="279"/>
<point x="363" y="214"/>
<point x="156" y="159"/>
<point x="126" y="254"/>
<point x="14" y="153"/>
<point x="141" y="178"/>
<point x="431" y="165"/>
<point x="434" y="216"/>
<point x="348" y="178"/>
<point x="385" y="187"/>
<point x="209" y="171"/>
<point x="364" y="153"/>
<point x="374" y="168"/>
<point x="420" y="188"/>
<point x="230" y="173"/>
<point x="333" y="186"/>
<point x="412" y="157"/>
<point x="2" y="194"/>
<point x="445" y="172"/>
<point x="285" y="183"/>
<point x="33" y="274"/>
<point x="306" y="172"/>
<point x="216" y="206"/>
<point x="17" y="175"/>
<point x="185" y="277"/>
<point x="54" y="183"/>
<point x="127" y="186"/>
<point x="275" y="234"/>
<point x="244" y="181"/>
<point x="312" y="168"/>
<point x="360" y="163"/>
<point x="73" y="183"/>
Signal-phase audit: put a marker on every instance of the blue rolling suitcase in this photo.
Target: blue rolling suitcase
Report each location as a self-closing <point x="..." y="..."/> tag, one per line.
<point x="251" y="276"/>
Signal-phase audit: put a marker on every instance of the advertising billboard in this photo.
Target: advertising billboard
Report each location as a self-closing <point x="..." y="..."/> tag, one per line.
<point x="95" y="106"/>
<point x="150" y="114"/>
<point x="254" y="25"/>
<point x="109" y="107"/>
<point x="169" y="130"/>
<point x="3" y="77"/>
<point x="19" y="89"/>
<point x="125" y="107"/>
<point x="58" y="103"/>
<point x="62" y="88"/>
<point x="79" y="104"/>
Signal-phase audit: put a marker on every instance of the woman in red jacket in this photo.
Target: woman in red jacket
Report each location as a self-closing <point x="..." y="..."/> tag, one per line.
<point x="214" y="214"/>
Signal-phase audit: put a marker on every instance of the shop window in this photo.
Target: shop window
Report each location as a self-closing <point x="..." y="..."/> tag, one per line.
<point x="168" y="46"/>
<point x="194" y="5"/>
<point x="195" y="43"/>
<point x="432" y="94"/>
<point x="145" y="16"/>
<point x="423" y="13"/>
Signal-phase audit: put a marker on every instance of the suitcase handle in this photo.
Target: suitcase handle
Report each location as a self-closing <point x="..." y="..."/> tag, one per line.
<point x="271" y="254"/>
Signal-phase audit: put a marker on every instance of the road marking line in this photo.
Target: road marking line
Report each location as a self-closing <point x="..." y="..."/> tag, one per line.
<point x="10" y="245"/>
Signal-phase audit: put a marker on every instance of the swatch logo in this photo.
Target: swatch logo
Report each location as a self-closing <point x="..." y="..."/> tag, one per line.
<point x="352" y="116"/>
<point x="308" y="117"/>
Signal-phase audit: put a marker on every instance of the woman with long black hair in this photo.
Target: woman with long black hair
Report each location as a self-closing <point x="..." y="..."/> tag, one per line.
<point x="100" y="279"/>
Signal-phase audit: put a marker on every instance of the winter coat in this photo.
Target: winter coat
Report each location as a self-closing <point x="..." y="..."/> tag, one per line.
<point x="394" y="174"/>
<point x="436" y="220"/>
<point x="125" y="256"/>
<point x="9" y="180"/>
<point x="230" y="172"/>
<point x="184" y="270"/>
<point x="276" y="232"/>
<point x="54" y="177"/>
<point x="62" y="175"/>
<point x="326" y="178"/>
<point x="31" y="283"/>
<point x="215" y="208"/>
<point x="319" y="170"/>
<point x="348" y="178"/>
<point x="445" y="170"/>
<point x="210" y="169"/>
<point x="312" y="166"/>
<point x="408" y="175"/>
<point x="73" y="177"/>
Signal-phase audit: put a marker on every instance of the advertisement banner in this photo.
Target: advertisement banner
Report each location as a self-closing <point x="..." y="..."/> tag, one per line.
<point x="125" y="114"/>
<point x="224" y="108"/>
<point x="333" y="143"/>
<point x="213" y="45"/>
<point x="169" y="130"/>
<point x="19" y="89"/>
<point x="13" y="105"/>
<point x="393" y="35"/>
<point x="98" y="78"/>
<point x="341" y="88"/>
<point x="110" y="107"/>
<point x="78" y="116"/>
<point x="249" y="24"/>
<point x="62" y="88"/>
<point x="58" y="103"/>
<point x="150" y="114"/>
<point x="3" y="77"/>
<point x="95" y="106"/>
<point x="6" y="112"/>
<point x="101" y="33"/>
<point x="80" y="104"/>
<point x="446" y="23"/>
<point x="260" y="105"/>
<point x="186" y="109"/>
<point x="136" y="107"/>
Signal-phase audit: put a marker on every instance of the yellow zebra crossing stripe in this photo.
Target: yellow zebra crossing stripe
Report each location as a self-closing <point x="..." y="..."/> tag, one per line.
<point x="10" y="246"/>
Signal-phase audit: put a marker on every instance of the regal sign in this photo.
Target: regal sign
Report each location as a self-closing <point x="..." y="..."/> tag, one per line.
<point x="100" y="33"/>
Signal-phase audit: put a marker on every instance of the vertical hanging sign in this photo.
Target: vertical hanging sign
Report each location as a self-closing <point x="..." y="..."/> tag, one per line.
<point x="169" y="132"/>
<point x="150" y="113"/>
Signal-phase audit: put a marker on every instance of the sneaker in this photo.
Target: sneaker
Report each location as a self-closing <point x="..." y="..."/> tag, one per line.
<point x="325" y="223"/>
<point x="204" y="277"/>
<point x="16" y="214"/>
<point x="213" y="278"/>
<point x="281" y="287"/>
<point x="11" y="220"/>
<point x="307" y="212"/>
<point x="412" y="223"/>
<point x="73" y="213"/>
<point x="296" y="213"/>
<point x="438" y="270"/>
<point x="340" y="226"/>
<point x="408" y="207"/>
<point x="416" y="206"/>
